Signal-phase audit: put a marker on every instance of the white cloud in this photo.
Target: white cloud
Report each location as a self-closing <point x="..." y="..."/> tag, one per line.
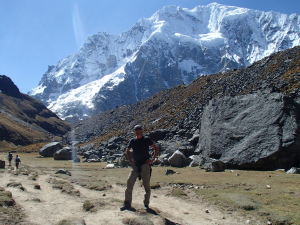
<point x="78" y="28"/>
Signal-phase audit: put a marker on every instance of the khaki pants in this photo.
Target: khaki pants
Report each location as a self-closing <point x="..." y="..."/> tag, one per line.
<point x="145" y="174"/>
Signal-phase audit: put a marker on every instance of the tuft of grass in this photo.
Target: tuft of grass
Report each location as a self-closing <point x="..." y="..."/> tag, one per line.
<point x="64" y="186"/>
<point x="16" y="185"/>
<point x="240" y="200"/>
<point x="142" y="220"/>
<point x="72" y="221"/>
<point x="177" y="192"/>
<point x="93" y="205"/>
<point x="6" y="199"/>
<point x="10" y="211"/>
<point x="281" y="220"/>
<point x="33" y="176"/>
<point x="95" y="184"/>
<point x="88" y="205"/>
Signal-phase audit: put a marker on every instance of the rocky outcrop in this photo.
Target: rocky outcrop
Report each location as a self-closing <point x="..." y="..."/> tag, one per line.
<point x="178" y="110"/>
<point x="8" y="87"/>
<point x="110" y="150"/>
<point x="49" y="149"/>
<point x="255" y="131"/>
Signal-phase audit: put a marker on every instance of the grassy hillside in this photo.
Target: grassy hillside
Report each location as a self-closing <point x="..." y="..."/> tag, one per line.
<point x="24" y="121"/>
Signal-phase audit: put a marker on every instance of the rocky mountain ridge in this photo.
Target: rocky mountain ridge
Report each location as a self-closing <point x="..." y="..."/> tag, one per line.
<point x="174" y="46"/>
<point x="246" y="118"/>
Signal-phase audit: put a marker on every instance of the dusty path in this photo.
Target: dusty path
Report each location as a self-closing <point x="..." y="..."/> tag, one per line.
<point x="55" y="205"/>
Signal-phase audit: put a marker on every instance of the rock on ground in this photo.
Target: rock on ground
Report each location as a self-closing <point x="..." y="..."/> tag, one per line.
<point x="110" y="166"/>
<point x="49" y="149"/>
<point x="169" y="172"/>
<point x="196" y="160"/>
<point x="255" y="131"/>
<point x="178" y="159"/>
<point x="63" y="154"/>
<point x="293" y="170"/>
<point x="2" y="164"/>
<point x="63" y="171"/>
<point x="215" y="166"/>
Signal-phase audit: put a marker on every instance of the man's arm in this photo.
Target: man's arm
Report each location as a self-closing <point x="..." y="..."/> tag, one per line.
<point x="128" y="155"/>
<point x="155" y="153"/>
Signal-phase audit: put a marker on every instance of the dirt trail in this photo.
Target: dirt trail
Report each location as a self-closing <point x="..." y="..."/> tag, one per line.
<point x="55" y="205"/>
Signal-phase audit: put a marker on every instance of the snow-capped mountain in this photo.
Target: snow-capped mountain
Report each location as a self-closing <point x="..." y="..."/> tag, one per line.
<point x="173" y="46"/>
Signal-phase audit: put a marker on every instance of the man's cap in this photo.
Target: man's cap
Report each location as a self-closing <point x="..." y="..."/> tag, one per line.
<point x="138" y="127"/>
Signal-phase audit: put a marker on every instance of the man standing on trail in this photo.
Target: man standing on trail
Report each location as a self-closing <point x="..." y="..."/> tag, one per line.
<point x="9" y="157"/>
<point x="138" y="154"/>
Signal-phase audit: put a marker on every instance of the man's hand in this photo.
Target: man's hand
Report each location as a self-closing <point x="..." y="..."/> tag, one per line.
<point x="128" y="155"/>
<point x="154" y="155"/>
<point x="150" y="161"/>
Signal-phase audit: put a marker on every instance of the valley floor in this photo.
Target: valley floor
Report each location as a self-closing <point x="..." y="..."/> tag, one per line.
<point x="191" y="196"/>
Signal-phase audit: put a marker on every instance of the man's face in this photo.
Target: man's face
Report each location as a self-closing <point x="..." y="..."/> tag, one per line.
<point x="138" y="132"/>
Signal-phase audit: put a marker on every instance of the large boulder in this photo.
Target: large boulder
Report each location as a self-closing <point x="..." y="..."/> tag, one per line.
<point x="178" y="159"/>
<point x="255" y="131"/>
<point x="63" y="154"/>
<point x="49" y="149"/>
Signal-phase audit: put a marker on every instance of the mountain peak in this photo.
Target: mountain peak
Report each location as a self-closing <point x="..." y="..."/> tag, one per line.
<point x="174" y="46"/>
<point x="8" y="87"/>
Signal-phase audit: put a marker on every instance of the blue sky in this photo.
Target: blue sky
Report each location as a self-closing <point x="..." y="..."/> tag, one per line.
<point x="37" y="33"/>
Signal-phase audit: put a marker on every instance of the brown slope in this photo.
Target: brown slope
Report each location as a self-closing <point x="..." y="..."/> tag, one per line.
<point x="181" y="106"/>
<point x="24" y="120"/>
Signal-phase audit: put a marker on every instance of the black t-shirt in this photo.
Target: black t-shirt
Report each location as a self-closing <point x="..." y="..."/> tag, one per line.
<point x="140" y="148"/>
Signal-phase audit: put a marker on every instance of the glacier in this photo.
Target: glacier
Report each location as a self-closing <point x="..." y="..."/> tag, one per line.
<point x="174" y="46"/>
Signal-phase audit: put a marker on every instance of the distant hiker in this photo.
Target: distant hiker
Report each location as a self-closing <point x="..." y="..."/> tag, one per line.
<point x="137" y="153"/>
<point x="9" y="157"/>
<point x="17" y="161"/>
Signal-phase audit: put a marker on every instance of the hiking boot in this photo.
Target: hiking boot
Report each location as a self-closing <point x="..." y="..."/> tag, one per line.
<point x="126" y="206"/>
<point x="146" y="207"/>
